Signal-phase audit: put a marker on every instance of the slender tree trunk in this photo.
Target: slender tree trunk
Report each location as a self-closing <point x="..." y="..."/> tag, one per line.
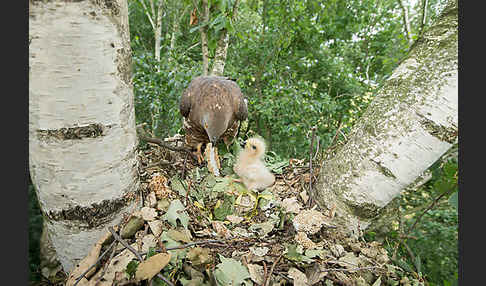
<point x="424" y="16"/>
<point x="157" y="32"/>
<point x="156" y="23"/>
<point x="176" y="25"/>
<point x="82" y="138"/>
<point x="406" y="22"/>
<point x="408" y="126"/>
<point x="222" y="48"/>
<point x="204" y="37"/>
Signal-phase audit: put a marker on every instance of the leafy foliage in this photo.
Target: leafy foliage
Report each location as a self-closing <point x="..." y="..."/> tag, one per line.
<point x="433" y="241"/>
<point x="35" y="231"/>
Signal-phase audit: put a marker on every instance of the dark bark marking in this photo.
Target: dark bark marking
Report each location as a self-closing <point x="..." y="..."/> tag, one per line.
<point x="73" y="133"/>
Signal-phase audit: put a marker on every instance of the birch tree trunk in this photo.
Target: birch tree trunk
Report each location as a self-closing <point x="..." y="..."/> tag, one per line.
<point x="222" y="48"/>
<point x="408" y="126"/>
<point x="406" y="21"/>
<point x="158" y="32"/>
<point x="156" y="23"/>
<point x="82" y="138"/>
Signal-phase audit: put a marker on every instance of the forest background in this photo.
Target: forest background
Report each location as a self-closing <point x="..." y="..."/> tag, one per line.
<point x="300" y="64"/>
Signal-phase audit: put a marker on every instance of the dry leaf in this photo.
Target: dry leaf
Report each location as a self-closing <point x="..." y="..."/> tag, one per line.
<point x="150" y="267"/>
<point x="256" y="273"/>
<point x="193" y="19"/>
<point x="151" y="200"/>
<point x="148" y="214"/>
<point x="221" y="229"/>
<point x="117" y="264"/>
<point x="291" y="205"/>
<point x="299" y="278"/>
<point x="156" y="227"/>
<point x="178" y="235"/>
<point x="302" y="239"/>
<point x="310" y="221"/>
<point x="89" y="260"/>
<point x="234" y="219"/>
<point x="304" y="196"/>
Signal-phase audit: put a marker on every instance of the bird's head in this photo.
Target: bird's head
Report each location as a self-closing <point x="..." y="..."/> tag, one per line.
<point x="255" y="146"/>
<point x="215" y="125"/>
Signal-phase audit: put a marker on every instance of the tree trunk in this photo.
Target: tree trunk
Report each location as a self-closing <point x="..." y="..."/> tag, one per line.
<point x="220" y="54"/>
<point x="204" y="37"/>
<point x="222" y="48"/>
<point x="82" y="138"/>
<point x="406" y="22"/>
<point x="158" y="32"/>
<point x="408" y="126"/>
<point x="424" y="16"/>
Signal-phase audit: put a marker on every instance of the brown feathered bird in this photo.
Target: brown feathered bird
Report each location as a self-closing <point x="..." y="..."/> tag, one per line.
<point x="249" y="166"/>
<point x="212" y="107"/>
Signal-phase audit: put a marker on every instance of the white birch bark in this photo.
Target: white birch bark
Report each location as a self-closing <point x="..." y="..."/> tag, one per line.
<point x="408" y="126"/>
<point x="406" y="21"/>
<point x="79" y="76"/>
<point x="222" y="48"/>
<point x="220" y="54"/>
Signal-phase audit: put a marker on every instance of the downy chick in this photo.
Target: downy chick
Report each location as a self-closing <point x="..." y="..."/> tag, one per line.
<point x="249" y="166"/>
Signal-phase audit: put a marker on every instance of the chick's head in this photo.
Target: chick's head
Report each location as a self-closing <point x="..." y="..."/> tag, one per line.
<point x="255" y="147"/>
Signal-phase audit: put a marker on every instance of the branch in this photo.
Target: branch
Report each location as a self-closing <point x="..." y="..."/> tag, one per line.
<point x="124" y="243"/>
<point x="94" y="264"/>
<point x="430" y="207"/>
<point x="311" y="199"/>
<point x="147" y="13"/>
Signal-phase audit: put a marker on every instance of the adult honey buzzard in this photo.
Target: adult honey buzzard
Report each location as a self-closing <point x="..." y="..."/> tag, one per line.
<point x="212" y="107"/>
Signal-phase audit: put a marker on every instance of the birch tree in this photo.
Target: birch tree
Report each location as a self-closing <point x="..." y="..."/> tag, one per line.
<point x="219" y="23"/>
<point x="154" y="16"/>
<point x="82" y="138"/>
<point x="411" y="122"/>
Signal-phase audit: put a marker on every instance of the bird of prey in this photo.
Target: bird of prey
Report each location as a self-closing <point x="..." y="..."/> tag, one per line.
<point x="249" y="166"/>
<point x="212" y="107"/>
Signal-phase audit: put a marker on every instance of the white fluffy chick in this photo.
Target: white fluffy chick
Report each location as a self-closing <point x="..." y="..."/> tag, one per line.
<point x="249" y="166"/>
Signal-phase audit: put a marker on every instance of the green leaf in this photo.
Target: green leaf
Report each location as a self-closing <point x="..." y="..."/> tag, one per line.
<point x="226" y="208"/>
<point x="176" y="212"/>
<point x="230" y="272"/>
<point x="177" y="185"/>
<point x="453" y="200"/>
<point x="131" y="268"/>
<point x="151" y="252"/>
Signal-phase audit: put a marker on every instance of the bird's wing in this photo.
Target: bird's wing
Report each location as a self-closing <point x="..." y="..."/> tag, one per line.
<point x="185" y="103"/>
<point x="242" y="111"/>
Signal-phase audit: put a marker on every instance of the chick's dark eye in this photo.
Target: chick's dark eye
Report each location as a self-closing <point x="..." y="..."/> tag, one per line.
<point x="253" y="146"/>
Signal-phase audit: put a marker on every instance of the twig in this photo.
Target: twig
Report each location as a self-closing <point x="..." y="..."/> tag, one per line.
<point x="94" y="264"/>
<point x="337" y="132"/>
<point x="265" y="273"/>
<point x="311" y="199"/>
<point x="430" y="207"/>
<point x="124" y="243"/>
<point x="108" y="261"/>
<point x="186" y="245"/>
<point x="139" y="257"/>
<point x="350" y="269"/>
<point x="163" y="144"/>
<point x="267" y="281"/>
<point x="165" y="279"/>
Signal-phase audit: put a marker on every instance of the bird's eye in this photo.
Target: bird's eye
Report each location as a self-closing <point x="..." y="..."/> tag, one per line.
<point x="253" y="146"/>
